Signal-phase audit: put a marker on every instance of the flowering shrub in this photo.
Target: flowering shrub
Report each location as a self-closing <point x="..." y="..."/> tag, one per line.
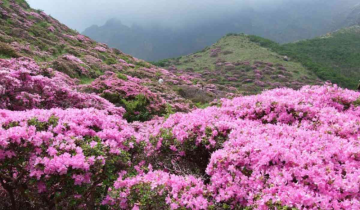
<point x="100" y="49"/>
<point x="158" y="190"/>
<point x="289" y="106"/>
<point x="36" y="15"/>
<point x="60" y="157"/>
<point x="23" y="87"/>
<point x="72" y="58"/>
<point x="70" y="37"/>
<point x="82" y="38"/>
<point x="8" y="51"/>
<point x="139" y="102"/>
<point x="51" y="29"/>
<point x="280" y="164"/>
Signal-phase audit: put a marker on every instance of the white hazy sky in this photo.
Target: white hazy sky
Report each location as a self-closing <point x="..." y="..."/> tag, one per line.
<point x="80" y="14"/>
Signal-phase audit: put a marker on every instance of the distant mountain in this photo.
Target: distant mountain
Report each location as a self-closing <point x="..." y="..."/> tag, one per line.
<point x="153" y="43"/>
<point x="236" y="62"/>
<point x="291" y="21"/>
<point x="354" y="17"/>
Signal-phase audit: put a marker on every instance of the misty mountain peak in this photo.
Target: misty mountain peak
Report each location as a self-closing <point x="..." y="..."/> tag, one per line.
<point x="113" y="22"/>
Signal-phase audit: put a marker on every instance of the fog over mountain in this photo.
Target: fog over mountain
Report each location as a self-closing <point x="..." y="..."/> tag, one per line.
<point x="159" y="29"/>
<point x="174" y="13"/>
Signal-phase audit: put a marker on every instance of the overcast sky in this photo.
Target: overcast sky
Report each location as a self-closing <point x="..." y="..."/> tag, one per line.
<point x="80" y="14"/>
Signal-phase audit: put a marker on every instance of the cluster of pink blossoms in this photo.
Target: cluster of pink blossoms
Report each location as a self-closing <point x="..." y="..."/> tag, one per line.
<point x="286" y="165"/>
<point x="72" y="58"/>
<point x="178" y="191"/>
<point x="100" y="49"/>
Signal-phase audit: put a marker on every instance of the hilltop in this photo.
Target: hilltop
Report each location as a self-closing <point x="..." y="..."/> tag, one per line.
<point x="237" y="63"/>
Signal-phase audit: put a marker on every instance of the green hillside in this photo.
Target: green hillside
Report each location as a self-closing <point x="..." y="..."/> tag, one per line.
<point x="235" y="61"/>
<point x="339" y="51"/>
<point x="334" y="56"/>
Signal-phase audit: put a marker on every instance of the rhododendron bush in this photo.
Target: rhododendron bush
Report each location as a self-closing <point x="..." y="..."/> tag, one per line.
<point x="65" y="149"/>
<point x="62" y="157"/>
<point x="140" y="103"/>
<point x="24" y="86"/>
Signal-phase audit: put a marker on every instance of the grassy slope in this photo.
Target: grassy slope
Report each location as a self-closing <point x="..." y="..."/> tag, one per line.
<point x="339" y="51"/>
<point x="334" y="57"/>
<point x="243" y="49"/>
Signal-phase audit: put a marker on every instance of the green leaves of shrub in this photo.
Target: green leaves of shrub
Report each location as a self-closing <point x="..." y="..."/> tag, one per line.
<point x="122" y="76"/>
<point x="136" y="109"/>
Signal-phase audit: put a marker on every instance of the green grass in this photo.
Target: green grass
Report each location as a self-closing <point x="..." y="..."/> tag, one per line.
<point x="9" y="21"/>
<point x="201" y="105"/>
<point x="86" y="80"/>
<point x="122" y="76"/>
<point x="110" y="61"/>
<point x="6" y="3"/>
<point x="2" y="56"/>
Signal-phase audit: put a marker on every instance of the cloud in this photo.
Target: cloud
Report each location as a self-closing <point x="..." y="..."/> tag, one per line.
<point x="79" y="14"/>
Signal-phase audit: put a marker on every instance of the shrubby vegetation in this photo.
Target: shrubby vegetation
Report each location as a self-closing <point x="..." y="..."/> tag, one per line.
<point x="136" y="109"/>
<point x="6" y="51"/>
<point x="324" y="56"/>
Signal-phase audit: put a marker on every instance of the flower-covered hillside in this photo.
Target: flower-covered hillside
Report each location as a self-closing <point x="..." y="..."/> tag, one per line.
<point x="24" y="85"/>
<point x="25" y="32"/>
<point x="282" y="149"/>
